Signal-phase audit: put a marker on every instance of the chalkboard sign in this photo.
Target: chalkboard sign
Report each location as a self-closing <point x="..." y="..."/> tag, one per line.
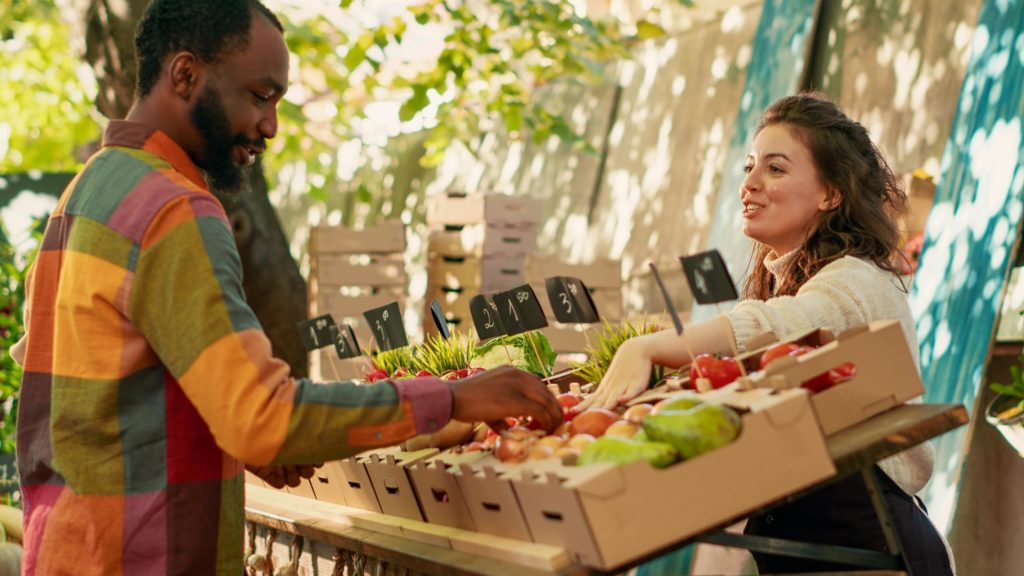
<point x="439" y="320"/>
<point x="345" y="343"/>
<point x="571" y="301"/>
<point x="519" y="310"/>
<point x="708" y="277"/>
<point x="668" y="299"/>
<point x="8" y="474"/>
<point x="387" y="327"/>
<point x="316" y="332"/>
<point x="485" y="317"/>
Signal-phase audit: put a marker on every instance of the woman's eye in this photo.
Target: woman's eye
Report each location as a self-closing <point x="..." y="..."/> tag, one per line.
<point x="748" y="168"/>
<point x="774" y="169"/>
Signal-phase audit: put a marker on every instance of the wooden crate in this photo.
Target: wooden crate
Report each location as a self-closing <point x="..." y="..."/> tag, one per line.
<point x="475" y="275"/>
<point x="607" y="300"/>
<point x="500" y="209"/>
<point x="352" y="271"/>
<point x="601" y="274"/>
<point x="482" y="240"/>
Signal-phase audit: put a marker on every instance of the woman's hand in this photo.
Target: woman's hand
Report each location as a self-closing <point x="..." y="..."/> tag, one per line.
<point x="628" y="375"/>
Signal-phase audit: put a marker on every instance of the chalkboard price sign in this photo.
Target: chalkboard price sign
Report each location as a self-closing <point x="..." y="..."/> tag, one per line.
<point x="387" y="326"/>
<point x="485" y="317"/>
<point x="519" y="309"/>
<point x="709" y="278"/>
<point x="571" y="301"/>
<point x="439" y="320"/>
<point x="345" y="343"/>
<point x="316" y="332"/>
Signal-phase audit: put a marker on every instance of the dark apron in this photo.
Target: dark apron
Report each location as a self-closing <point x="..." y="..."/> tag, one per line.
<point x="842" y="514"/>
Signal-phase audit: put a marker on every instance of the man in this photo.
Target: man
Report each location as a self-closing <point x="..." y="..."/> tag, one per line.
<point x="148" y="381"/>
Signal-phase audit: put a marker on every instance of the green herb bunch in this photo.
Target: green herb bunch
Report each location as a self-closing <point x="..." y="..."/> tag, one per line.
<point x="438" y="356"/>
<point x="605" y="343"/>
<point x="391" y="360"/>
<point x="1016" y="387"/>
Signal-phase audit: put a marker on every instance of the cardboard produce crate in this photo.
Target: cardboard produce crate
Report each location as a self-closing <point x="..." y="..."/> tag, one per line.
<point x="483" y="208"/>
<point x="441" y="499"/>
<point x="348" y="480"/>
<point x="391" y="484"/>
<point x="886" y="375"/>
<point x="609" y="515"/>
<point x="481" y="240"/>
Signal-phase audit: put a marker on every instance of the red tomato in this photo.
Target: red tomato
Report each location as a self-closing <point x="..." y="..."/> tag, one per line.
<point x="720" y="371"/>
<point x="400" y="372"/>
<point x="423" y="374"/>
<point x="778" y="351"/>
<point x="376" y="374"/>
<point x="837" y="375"/>
<point x="568" y="399"/>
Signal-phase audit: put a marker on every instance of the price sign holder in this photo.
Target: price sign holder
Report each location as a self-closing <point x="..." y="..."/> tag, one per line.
<point x="387" y="326"/>
<point x="345" y="342"/>
<point x="520" y="312"/>
<point x="673" y="314"/>
<point x="316" y="332"/>
<point x="711" y="283"/>
<point x="708" y="278"/>
<point x="485" y="317"/>
<point x="519" y="309"/>
<point x="571" y="301"/>
<point x="439" y="320"/>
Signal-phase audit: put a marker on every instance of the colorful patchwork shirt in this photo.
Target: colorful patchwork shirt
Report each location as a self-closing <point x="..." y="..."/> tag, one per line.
<point x="148" y="381"/>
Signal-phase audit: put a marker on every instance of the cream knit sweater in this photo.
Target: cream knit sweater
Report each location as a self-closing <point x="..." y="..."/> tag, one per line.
<point x="843" y="294"/>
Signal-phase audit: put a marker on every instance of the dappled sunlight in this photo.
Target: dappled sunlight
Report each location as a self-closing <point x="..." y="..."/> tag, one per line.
<point x="971" y="233"/>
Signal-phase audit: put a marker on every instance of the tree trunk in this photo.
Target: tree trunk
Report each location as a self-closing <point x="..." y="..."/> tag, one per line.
<point x="273" y="286"/>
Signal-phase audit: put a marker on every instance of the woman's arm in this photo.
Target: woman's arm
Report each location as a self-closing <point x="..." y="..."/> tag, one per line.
<point x="630" y="370"/>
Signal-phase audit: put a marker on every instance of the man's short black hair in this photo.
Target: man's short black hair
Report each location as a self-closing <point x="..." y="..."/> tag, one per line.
<point x="206" y="28"/>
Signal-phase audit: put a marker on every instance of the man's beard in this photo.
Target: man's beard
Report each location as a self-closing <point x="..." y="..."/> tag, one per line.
<point x="211" y="121"/>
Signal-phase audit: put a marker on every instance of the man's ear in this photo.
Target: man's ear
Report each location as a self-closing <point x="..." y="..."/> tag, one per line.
<point x="186" y="74"/>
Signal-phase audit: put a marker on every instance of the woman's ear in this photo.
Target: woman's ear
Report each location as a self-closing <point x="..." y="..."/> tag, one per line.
<point x="186" y="72"/>
<point x="831" y="201"/>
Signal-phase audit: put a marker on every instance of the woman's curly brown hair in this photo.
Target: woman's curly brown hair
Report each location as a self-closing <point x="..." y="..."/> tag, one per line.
<point x="850" y="165"/>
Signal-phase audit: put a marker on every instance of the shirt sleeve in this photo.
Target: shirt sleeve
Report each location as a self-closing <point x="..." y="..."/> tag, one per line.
<point x="188" y="302"/>
<point x="838" y="297"/>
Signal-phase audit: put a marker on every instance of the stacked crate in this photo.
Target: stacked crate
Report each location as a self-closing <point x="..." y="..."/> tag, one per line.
<point x="352" y="271"/>
<point x="477" y="243"/>
<point x="604" y="280"/>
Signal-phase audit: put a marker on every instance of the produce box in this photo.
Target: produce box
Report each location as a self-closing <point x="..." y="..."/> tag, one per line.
<point x="352" y="479"/>
<point x="455" y="208"/>
<point x="441" y="499"/>
<point x="388" y="475"/>
<point x="327" y="483"/>
<point x="482" y="240"/>
<point x="490" y="499"/>
<point x="886" y="375"/>
<point x="475" y="274"/>
<point x="604" y="273"/>
<point x="609" y="515"/>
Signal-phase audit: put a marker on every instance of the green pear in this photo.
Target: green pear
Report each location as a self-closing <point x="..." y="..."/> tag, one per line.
<point x="695" y="431"/>
<point x="617" y="450"/>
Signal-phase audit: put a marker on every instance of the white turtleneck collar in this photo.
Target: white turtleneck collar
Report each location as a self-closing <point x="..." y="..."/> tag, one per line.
<point x="777" y="265"/>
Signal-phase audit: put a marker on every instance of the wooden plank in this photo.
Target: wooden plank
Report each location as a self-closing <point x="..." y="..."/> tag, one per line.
<point x="389" y="236"/>
<point x="891" y="432"/>
<point x="483" y="208"/>
<point x="365" y="533"/>
<point x="602" y="273"/>
<point x="340" y="271"/>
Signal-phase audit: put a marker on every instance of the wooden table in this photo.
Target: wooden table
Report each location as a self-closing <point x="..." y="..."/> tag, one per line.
<point x="417" y="547"/>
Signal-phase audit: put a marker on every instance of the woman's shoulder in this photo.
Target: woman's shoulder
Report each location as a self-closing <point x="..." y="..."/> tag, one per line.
<point x="853" y="271"/>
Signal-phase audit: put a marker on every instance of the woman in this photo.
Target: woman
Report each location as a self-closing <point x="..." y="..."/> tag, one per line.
<point x="819" y="201"/>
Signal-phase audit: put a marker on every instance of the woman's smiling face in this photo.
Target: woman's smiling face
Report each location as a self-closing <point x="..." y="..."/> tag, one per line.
<point x="782" y="193"/>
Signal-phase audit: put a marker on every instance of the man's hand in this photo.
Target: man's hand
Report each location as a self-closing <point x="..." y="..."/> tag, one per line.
<point x="504" y="391"/>
<point x="279" y="476"/>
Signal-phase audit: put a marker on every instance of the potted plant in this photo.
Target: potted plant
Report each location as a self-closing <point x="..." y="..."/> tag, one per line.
<point x="1006" y="410"/>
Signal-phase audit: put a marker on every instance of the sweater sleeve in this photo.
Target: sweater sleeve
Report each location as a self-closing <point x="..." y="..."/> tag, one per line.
<point x="840" y="296"/>
<point x="188" y="302"/>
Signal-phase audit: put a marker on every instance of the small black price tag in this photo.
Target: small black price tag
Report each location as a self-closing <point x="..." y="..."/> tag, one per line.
<point x="387" y="327"/>
<point x="485" y="317"/>
<point x="316" y="332"/>
<point x="345" y="343"/>
<point x="709" y="278"/>
<point x="439" y="320"/>
<point x="8" y="474"/>
<point x="668" y="299"/>
<point x="571" y="301"/>
<point x="519" y="309"/>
